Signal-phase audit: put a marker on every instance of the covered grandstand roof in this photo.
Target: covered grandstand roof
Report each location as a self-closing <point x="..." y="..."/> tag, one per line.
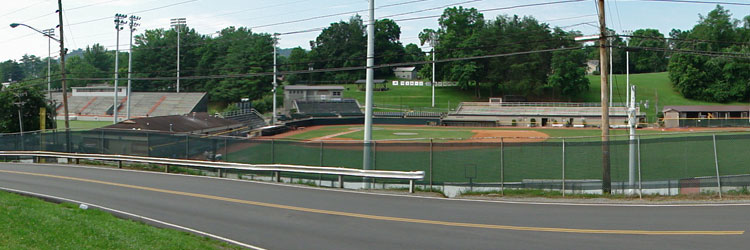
<point x="189" y="123"/>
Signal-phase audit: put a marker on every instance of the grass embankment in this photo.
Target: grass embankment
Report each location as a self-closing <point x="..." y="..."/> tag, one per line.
<point x="412" y="97"/>
<point x="649" y="86"/>
<point x="29" y="223"/>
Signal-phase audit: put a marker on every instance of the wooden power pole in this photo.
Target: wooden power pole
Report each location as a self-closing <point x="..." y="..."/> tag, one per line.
<point x="603" y="59"/>
<point x="62" y="66"/>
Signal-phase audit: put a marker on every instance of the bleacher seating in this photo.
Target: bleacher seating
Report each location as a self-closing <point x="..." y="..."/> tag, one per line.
<point x="500" y="110"/>
<point x="142" y="104"/>
<point x="346" y="107"/>
<point x="388" y="114"/>
<point x="249" y="117"/>
<point x="423" y="114"/>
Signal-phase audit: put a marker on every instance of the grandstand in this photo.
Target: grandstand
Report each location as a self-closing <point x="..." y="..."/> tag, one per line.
<point x="250" y="117"/>
<point x="329" y="108"/>
<point x="97" y="105"/>
<point x="535" y="114"/>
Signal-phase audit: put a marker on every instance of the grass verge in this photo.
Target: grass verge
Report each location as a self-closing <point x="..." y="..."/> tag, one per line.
<point x="29" y="223"/>
<point x="742" y="194"/>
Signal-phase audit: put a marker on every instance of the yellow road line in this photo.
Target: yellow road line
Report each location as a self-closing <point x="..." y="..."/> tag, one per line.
<point x="389" y="218"/>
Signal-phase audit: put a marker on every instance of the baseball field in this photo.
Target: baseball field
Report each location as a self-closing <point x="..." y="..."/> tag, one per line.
<point x="458" y="154"/>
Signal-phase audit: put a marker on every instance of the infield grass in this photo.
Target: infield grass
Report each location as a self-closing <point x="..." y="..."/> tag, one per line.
<point x="29" y="223"/>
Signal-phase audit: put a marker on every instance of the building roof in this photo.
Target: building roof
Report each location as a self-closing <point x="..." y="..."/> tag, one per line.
<point x="308" y="87"/>
<point x="195" y="122"/>
<point x="407" y="69"/>
<point x="708" y="108"/>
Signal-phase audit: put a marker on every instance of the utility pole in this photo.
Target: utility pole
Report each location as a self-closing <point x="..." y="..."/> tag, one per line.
<point x="367" y="161"/>
<point x="632" y="124"/>
<point x="177" y="23"/>
<point x="49" y="33"/>
<point x="275" y="42"/>
<point x="133" y="24"/>
<point x="62" y="65"/>
<point x="119" y="25"/>
<point x="611" y="68"/>
<point x="606" y="178"/>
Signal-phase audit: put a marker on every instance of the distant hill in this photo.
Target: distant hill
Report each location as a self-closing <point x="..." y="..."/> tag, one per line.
<point x="285" y="52"/>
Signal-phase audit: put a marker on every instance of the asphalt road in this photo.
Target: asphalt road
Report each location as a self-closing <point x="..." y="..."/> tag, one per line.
<point x="288" y="217"/>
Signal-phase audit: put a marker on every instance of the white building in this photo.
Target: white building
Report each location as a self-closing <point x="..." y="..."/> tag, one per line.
<point x="405" y="72"/>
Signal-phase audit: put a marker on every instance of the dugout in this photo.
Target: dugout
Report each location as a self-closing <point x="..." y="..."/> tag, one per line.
<point x="706" y="116"/>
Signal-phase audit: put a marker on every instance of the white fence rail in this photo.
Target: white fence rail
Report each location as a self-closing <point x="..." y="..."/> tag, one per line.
<point x="277" y="169"/>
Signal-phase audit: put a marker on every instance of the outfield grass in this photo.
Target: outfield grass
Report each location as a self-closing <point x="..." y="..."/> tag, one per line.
<point x="83" y="124"/>
<point x="386" y="132"/>
<point x="29" y="223"/>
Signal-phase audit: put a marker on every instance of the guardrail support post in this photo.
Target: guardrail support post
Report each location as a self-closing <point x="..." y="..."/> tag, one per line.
<point x="411" y="186"/>
<point x="77" y="161"/>
<point x="716" y="160"/>
<point x="166" y="168"/>
<point x="277" y="176"/>
<point x="219" y="172"/>
<point x="119" y="163"/>
<point x="341" y="181"/>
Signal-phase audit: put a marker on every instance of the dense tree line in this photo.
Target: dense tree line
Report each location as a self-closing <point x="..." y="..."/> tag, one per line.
<point x="713" y="78"/>
<point x="234" y="53"/>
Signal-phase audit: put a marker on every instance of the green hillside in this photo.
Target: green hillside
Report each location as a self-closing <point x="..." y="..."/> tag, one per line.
<point x="648" y="87"/>
<point x="412" y="98"/>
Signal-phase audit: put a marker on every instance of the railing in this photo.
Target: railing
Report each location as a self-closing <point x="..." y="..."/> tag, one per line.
<point x="543" y="104"/>
<point x="277" y="169"/>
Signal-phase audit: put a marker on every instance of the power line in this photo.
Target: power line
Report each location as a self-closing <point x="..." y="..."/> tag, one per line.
<point x="696" y="1"/>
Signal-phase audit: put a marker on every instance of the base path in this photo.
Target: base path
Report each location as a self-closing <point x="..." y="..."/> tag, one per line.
<point x="277" y="216"/>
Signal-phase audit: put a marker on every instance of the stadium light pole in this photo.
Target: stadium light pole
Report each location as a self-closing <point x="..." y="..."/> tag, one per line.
<point x="433" y="44"/>
<point x="49" y="33"/>
<point x="177" y="23"/>
<point x="370" y="75"/>
<point x="275" y="85"/>
<point x="119" y="25"/>
<point x="133" y="24"/>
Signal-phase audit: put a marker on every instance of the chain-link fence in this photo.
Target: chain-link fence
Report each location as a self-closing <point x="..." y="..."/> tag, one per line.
<point x="666" y="164"/>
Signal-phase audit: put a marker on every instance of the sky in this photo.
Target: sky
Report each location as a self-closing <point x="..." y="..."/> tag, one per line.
<point x="91" y="21"/>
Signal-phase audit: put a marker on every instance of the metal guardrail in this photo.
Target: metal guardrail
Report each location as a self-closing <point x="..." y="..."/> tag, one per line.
<point x="277" y="169"/>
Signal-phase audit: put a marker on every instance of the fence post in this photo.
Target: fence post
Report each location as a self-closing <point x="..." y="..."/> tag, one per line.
<point x="640" y="183"/>
<point x="187" y="146"/>
<point x="321" y="153"/>
<point x="101" y="142"/>
<point x="563" y="167"/>
<point x="374" y="155"/>
<point x="502" y="167"/>
<point x="431" y="162"/>
<point x="226" y="155"/>
<point x="716" y="161"/>
<point x="148" y="144"/>
<point x="273" y="152"/>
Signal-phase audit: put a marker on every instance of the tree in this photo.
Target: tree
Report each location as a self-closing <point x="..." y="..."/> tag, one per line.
<point x="568" y="73"/>
<point x="460" y="28"/>
<point x="32" y="99"/>
<point x="711" y="78"/>
<point x="388" y="48"/>
<point x="342" y="44"/>
<point x="78" y="67"/>
<point x="646" y="61"/>
<point x="97" y="56"/>
<point x="11" y="70"/>
<point x="297" y="61"/>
